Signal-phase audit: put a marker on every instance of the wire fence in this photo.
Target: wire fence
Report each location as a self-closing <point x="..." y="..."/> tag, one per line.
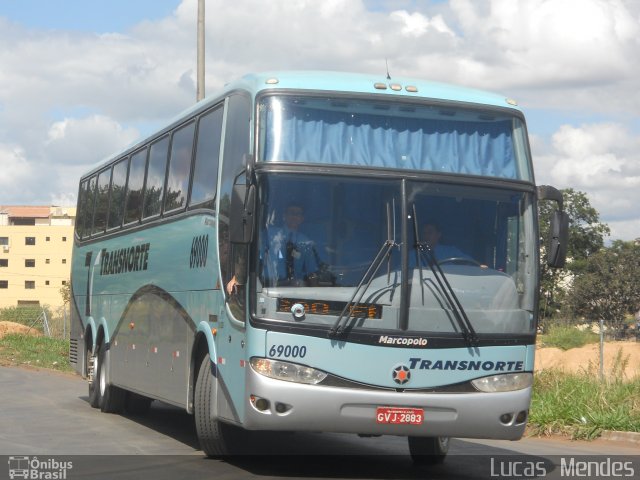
<point x="51" y="322"/>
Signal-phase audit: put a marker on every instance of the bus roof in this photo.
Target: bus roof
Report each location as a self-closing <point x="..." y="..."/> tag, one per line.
<point x="335" y="82"/>
<point x="367" y="83"/>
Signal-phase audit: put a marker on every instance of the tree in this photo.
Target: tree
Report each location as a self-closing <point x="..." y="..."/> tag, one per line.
<point x="65" y="292"/>
<point x="586" y="237"/>
<point x="609" y="286"/>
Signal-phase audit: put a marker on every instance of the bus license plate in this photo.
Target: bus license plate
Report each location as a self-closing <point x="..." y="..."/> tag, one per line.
<point x="399" y="416"/>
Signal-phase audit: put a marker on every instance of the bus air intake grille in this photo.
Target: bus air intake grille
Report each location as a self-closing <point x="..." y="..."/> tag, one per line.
<point x="323" y="307"/>
<point x="73" y="351"/>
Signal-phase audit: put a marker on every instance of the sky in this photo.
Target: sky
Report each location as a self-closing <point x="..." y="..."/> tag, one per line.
<point x="80" y="80"/>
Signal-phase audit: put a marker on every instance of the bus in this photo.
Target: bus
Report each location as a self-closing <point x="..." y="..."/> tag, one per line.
<point x="405" y="305"/>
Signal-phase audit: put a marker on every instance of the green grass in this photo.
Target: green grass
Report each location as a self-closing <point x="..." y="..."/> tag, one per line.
<point x="17" y="349"/>
<point x="565" y="338"/>
<point x="580" y="406"/>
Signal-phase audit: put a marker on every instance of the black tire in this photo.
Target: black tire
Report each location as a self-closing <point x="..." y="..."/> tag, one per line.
<point x="428" y="450"/>
<point x="111" y="397"/>
<point x="135" y="404"/>
<point x="217" y="439"/>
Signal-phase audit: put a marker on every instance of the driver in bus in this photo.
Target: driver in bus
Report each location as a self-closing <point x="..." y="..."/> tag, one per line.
<point x="289" y="256"/>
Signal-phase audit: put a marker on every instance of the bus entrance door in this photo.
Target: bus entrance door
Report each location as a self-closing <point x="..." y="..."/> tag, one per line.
<point x="231" y="366"/>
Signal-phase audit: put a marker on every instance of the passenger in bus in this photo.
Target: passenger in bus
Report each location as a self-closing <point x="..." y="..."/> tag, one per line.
<point x="289" y="255"/>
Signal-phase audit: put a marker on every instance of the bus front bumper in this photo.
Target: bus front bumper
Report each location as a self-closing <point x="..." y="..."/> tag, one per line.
<point x="279" y="405"/>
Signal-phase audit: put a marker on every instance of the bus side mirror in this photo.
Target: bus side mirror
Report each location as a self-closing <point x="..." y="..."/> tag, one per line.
<point x="243" y="202"/>
<point x="558" y="240"/>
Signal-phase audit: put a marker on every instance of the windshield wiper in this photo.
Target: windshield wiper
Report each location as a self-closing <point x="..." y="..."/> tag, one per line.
<point x="423" y="250"/>
<point x="340" y="326"/>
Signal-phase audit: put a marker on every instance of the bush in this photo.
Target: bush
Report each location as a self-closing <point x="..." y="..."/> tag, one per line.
<point x="566" y="337"/>
<point x="23" y="315"/>
<point x="31" y="316"/>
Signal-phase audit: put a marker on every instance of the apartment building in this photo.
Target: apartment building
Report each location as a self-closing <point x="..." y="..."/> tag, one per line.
<point x="35" y="254"/>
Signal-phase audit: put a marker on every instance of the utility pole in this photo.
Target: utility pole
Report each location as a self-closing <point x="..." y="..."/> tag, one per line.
<point x="200" y="80"/>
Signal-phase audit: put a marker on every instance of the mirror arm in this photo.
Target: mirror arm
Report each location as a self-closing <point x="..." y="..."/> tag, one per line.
<point x="547" y="192"/>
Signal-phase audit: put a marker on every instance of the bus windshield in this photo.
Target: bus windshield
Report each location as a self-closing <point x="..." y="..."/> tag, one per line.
<point x="379" y="134"/>
<point x="318" y="236"/>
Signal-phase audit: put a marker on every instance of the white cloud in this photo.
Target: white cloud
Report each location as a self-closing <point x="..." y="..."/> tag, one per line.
<point x="602" y="160"/>
<point x="547" y="53"/>
<point x="86" y="141"/>
<point x="65" y="97"/>
<point x="15" y="171"/>
<point x="416" y="24"/>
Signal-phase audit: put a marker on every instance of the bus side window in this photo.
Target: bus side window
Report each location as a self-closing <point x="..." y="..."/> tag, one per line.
<point x="91" y="202"/>
<point x="82" y="205"/>
<point x="154" y="184"/>
<point x="179" y="168"/>
<point x="135" y="183"/>
<point x="205" y="170"/>
<point x="102" y="202"/>
<point x="118" y="184"/>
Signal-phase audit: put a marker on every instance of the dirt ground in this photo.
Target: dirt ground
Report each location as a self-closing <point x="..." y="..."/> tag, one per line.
<point x="587" y="358"/>
<point x="11" y="327"/>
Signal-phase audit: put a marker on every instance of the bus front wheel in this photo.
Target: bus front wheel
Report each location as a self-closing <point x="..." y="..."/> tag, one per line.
<point x="428" y="450"/>
<point x="93" y="367"/>
<point x="216" y="438"/>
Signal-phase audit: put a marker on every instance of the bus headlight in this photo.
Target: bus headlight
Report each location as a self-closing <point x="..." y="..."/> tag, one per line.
<point x="289" y="372"/>
<point x="504" y="383"/>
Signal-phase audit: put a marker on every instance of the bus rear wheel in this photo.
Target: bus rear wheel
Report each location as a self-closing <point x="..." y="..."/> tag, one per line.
<point x="428" y="450"/>
<point x="217" y="439"/>
<point x="109" y="398"/>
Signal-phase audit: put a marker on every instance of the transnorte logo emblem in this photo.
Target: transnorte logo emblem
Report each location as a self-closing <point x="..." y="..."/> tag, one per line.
<point x="401" y="374"/>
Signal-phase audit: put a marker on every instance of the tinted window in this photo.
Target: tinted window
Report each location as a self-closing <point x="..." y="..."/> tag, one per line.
<point x="134" y="186"/>
<point x="102" y="202"/>
<point x="82" y="205"/>
<point x="118" y="184"/>
<point x="88" y="206"/>
<point x="179" y="168"/>
<point x="205" y="171"/>
<point x="154" y="186"/>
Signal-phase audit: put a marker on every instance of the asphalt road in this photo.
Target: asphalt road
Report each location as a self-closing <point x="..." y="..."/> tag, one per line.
<point x="46" y="415"/>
